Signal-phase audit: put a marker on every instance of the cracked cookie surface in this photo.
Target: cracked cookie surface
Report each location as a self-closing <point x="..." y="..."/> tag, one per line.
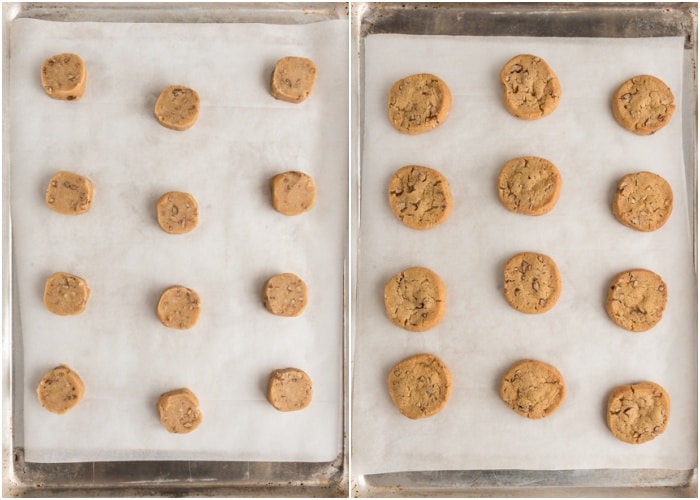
<point x="643" y="105"/>
<point x="532" y="389"/>
<point x="414" y="299"/>
<point x="63" y="77"/>
<point x="293" y="79"/>
<point x="60" y="389"/>
<point x="177" y="212"/>
<point x="285" y="295"/>
<point x="69" y="193"/>
<point x="292" y="192"/>
<point x="531" y="90"/>
<point x="418" y="103"/>
<point x="638" y="413"/>
<point x="289" y="389"/>
<point x="179" y="307"/>
<point x="179" y="411"/>
<point x="177" y="107"/>
<point x="420" y="386"/>
<point x="420" y="197"/>
<point x="643" y="201"/>
<point x="531" y="282"/>
<point x="66" y="294"/>
<point x="529" y="185"/>
<point x="636" y="299"/>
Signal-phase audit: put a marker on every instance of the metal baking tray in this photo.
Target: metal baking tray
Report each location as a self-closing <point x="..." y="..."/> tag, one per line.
<point x="628" y="20"/>
<point x="146" y="478"/>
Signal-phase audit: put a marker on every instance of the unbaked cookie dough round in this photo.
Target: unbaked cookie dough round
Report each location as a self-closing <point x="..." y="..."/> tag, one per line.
<point x="66" y="294"/>
<point x="414" y="299"/>
<point x="179" y="411"/>
<point x="531" y="90"/>
<point x="418" y="103"/>
<point x="177" y="107"/>
<point x="420" y="197"/>
<point x="177" y="212"/>
<point x="531" y="282"/>
<point x="293" y="79"/>
<point x="293" y="192"/>
<point x="179" y="307"/>
<point x="643" y="201"/>
<point x="285" y="295"/>
<point x="289" y="389"/>
<point x="643" y="105"/>
<point x="60" y="389"/>
<point x="420" y="386"/>
<point x="63" y="77"/>
<point x="638" y="413"/>
<point x="532" y="389"/>
<point x="69" y="193"/>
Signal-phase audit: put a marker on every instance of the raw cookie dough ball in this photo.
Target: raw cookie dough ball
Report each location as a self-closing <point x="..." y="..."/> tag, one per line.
<point x="414" y="299"/>
<point x="638" y="413"/>
<point x="63" y="77"/>
<point x="636" y="299"/>
<point x="179" y="307"/>
<point x="418" y="103"/>
<point x="529" y="185"/>
<point x="179" y="411"/>
<point x="65" y="294"/>
<point x="289" y="389"/>
<point x="285" y="295"/>
<point x="532" y="389"/>
<point x="420" y="197"/>
<point x="177" y="212"/>
<point x="293" y="193"/>
<point x="60" y="389"/>
<point x="177" y="108"/>
<point x="420" y="386"/>
<point x="643" y="201"/>
<point x="293" y="79"/>
<point x="531" y="90"/>
<point x="531" y="282"/>
<point x="69" y="193"/>
<point x="643" y="105"/>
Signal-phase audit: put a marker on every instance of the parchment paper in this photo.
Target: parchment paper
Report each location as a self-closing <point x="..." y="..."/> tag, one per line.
<point x="242" y="138"/>
<point x="481" y="336"/>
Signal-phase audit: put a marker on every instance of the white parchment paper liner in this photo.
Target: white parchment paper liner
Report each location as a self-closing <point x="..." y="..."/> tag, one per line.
<point x="243" y="137"/>
<point x="481" y="336"/>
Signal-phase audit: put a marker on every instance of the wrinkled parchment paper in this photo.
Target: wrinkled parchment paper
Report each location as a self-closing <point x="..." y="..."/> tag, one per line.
<point x="481" y="336"/>
<point x="242" y="138"/>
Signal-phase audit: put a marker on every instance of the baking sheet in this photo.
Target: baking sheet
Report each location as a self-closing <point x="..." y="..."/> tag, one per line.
<point x="242" y="137"/>
<point x="481" y="335"/>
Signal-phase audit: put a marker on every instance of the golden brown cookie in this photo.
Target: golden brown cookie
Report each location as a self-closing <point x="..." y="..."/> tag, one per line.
<point x="65" y="294"/>
<point x="420" y="385"/>
<point x="529" y="185"/>
<point x="414" y="299"/>
<point x="636" y="299"/>
<point x="531" y="90"/>
<point x="532" y="389"/>
<point x="420" y="197"/>
<point x="63" y="77"/>
<point x="418" y="103"/>
<point x="179" y="307"/>
<point x="69" y="193"/>
<point x="643" y="105"/>
<point x="60" y="389"/>
<point x="293" y="79"/>
<point x="293" y="193"/>
<point x="285" y="295"/>
<point x="531" y="282"/>
<point x="638" y="413"/>
<point x="289" y="389"/>
<point x="643" y="201"/>
<point x="177" y="107"/>
<point x="179" y="411"/>
<point x="177" y="212"/>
